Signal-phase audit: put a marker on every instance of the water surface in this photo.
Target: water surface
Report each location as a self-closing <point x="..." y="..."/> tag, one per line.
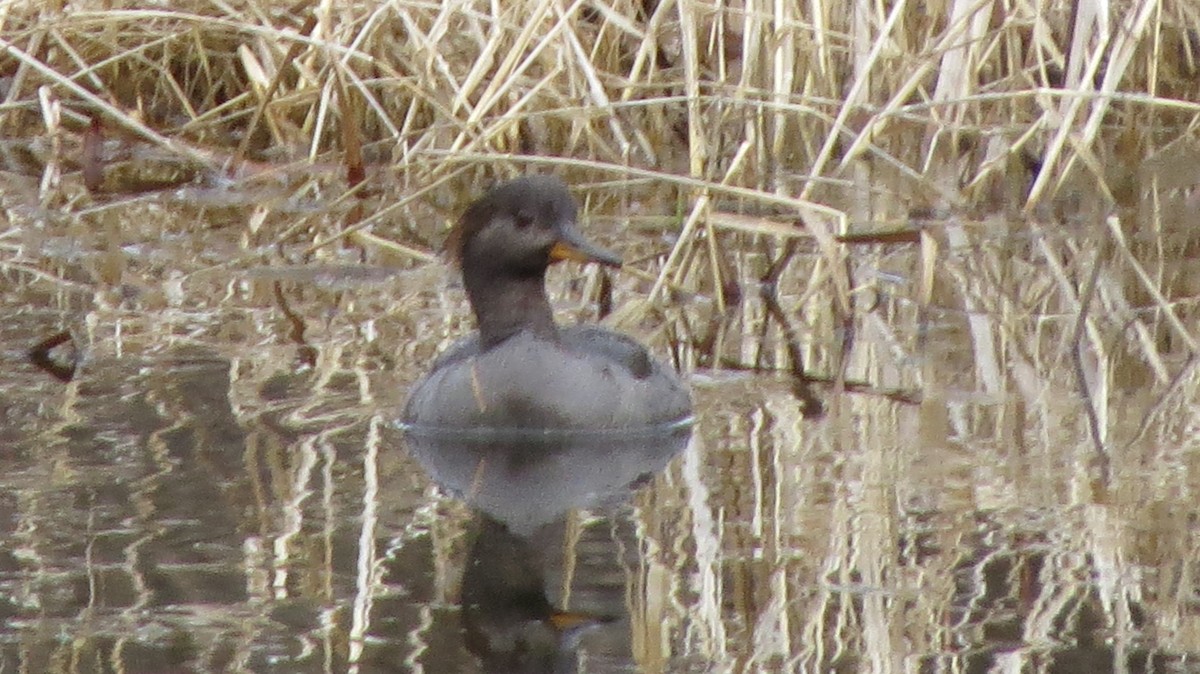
<point x="218" y="484"/>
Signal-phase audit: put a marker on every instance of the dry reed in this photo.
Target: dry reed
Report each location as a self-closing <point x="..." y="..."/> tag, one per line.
<point x="1033" y="163"/>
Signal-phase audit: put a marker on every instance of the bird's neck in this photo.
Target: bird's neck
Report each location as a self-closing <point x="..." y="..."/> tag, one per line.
<point x="507" y="304"/>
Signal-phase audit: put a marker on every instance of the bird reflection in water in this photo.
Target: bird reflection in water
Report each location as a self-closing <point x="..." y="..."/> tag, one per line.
<point x="523" y="486"/>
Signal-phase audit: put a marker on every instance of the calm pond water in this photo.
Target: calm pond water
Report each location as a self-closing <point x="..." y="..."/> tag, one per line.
<point x="214" y="483"/>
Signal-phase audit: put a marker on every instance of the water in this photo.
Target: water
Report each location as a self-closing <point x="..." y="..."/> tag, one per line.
<point x="219" y="486"/>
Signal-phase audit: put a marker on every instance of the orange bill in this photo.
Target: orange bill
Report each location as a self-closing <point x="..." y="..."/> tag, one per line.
<point x="569" y="620"/>
<point x="572" y="246"/>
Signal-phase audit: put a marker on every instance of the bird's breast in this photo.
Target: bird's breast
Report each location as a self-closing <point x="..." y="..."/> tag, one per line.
<point x="528" y="382"/>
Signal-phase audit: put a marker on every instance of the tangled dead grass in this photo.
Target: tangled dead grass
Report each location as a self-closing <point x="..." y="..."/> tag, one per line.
<point x="1036" y="163"/>
<point x="745" y="100"/>
<point x="765" y="126"/>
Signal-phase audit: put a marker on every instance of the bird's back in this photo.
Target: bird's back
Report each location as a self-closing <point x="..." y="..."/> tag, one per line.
<point x="588" y="379"/>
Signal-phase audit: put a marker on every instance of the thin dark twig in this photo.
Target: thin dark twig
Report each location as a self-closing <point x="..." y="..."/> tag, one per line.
<point x="1089" y="403"/>
<point x="41" y="355"/>
<point x="811" y="405"/>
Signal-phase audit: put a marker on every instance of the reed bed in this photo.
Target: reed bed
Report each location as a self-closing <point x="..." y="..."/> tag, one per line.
<point x="981" y="215"/>
<point x="769" y="104"/>
<point x="780" y="124"/>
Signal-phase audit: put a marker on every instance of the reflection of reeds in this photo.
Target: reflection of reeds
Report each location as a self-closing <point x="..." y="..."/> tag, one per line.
<point x="978" y="224"/>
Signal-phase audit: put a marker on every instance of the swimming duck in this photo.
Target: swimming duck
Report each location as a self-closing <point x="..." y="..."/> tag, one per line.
<point x="521" y="370"/>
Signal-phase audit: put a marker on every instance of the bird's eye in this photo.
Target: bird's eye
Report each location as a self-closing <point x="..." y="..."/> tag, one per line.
<point x="523" y="220"/>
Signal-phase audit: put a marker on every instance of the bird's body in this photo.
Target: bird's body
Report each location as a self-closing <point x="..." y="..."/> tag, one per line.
<point x="520" y="369"/>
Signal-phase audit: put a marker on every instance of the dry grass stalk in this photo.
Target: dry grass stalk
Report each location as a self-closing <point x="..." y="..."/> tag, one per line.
<point x="759" y="117"/>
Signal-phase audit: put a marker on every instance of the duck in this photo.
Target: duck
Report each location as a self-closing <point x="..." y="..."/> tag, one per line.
<point x="521" y="370"/>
